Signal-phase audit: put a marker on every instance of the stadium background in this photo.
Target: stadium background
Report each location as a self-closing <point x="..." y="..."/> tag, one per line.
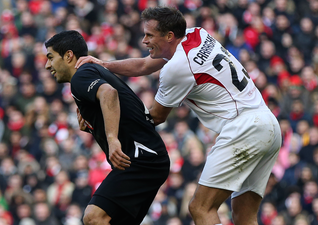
<point x="49" y="169"/>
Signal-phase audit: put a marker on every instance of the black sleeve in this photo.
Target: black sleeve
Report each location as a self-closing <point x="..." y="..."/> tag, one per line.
<point x="85" y="84"/>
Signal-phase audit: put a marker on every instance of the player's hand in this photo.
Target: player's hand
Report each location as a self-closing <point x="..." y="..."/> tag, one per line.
<point x="87" y="59"/>
<point x="119" y="159"/>
<point x="81" y="121"/>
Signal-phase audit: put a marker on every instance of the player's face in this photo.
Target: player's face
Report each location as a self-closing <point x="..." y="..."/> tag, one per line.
<point x="58" y="66"/>
<point x="156" y="43"/>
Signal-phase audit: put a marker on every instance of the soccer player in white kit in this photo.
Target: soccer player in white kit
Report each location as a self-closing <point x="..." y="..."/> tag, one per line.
<point x="197" y="70"/>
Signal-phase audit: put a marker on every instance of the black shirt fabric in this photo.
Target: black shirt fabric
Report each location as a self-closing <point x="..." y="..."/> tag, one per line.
<point x="136" y="131"/>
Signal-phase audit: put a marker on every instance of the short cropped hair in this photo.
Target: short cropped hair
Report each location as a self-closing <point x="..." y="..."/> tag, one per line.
<point x="169" y="19"/>
<point x="68" y="40"/>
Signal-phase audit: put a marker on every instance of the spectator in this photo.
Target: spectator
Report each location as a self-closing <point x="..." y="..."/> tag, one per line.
<point x="43" y="214"/>
<point x="82" y="192"/>
<point x="306" y="152"/>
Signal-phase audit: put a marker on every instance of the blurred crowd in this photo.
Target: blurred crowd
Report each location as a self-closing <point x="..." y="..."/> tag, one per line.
<point x="49" y="168"/>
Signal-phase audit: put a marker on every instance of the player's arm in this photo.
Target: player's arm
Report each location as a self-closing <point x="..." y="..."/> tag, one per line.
<point x="132" y="67"/>
<point x="109" y="103"/>
<point x="159" y="113"/>
<point x="81" y="121"/>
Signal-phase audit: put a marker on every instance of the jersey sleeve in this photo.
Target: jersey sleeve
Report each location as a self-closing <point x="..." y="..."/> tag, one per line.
<point x="176" y="82"/>
<point x="85" y="84"/>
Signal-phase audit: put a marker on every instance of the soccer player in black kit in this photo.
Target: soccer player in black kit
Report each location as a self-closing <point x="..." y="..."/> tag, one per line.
<point x="121" y="125"/>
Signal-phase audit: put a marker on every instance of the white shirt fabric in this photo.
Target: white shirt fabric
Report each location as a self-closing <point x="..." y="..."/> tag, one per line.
<point x="211" y="81"/>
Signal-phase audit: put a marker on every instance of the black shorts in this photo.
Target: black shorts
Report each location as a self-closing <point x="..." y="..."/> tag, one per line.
<point x="127" y="195"/>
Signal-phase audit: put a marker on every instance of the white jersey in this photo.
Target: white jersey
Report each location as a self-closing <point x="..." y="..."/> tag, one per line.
<point x="209" y="79"/>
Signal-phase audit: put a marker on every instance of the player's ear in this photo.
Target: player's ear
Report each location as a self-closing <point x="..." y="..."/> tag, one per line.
<point x="69" y="55"/>
<point x="170" y="36"/>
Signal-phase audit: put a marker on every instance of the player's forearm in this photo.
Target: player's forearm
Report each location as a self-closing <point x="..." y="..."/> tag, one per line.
<point x="109" y="102"/>
<point x="134" y="67"/>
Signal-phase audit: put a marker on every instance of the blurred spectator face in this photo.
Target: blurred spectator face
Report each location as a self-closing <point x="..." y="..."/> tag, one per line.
<point x="296" y="64"/>
<point x="50" y="147"/>
<point x="74" y="211"/>
<point x="3" y="150"/>
<point x="268" y="209"/>
<point x="293" y="158"/>
<point x="279" y="220"/>
<point x="39" y="195"/>
<point x="254" y="8"/>
<point x="46" y="8"/>
<point x="28" y="90"/>
<point x="313" y="6"/>
<point x="111" y="6"/>
<point x="313" y="135"/>
<point x="24" y="211"/>
<point x="310" y="189"/>
<point x="18" y="60"/>
<point x="73" y="24"/>
<point x="244" y="56"/>
<point x="169" y="140"/>
<point x="15" y="182"/>
<point x="3" y="221"/>
<point x="147" y="97"/>
<point x="190" y="20"/>
<point x="297" y="107"/>
<point x="267" y="49"/>
<point x="8" y="86"/>
<point x="25" y="77"/>
<point x="181" y="128"/>
<point x="306" y="25"/>
<point x="175" y="180"/>
<point x="243" y="3"/>
<point x="7" y="166"/>
<point x="61" y="14"/>
<point x="81" y="180"/>
<point x="40" y="105"/>
<point x="56" y="106"/>
<point x="315" y="205"/>
<point x="50" y="86"/>
<point x="41" y="211"/>
<point x="302" y="127"/>
<point x="281" y="5"/>
<point x="284" y="125"/>
<point x="27" y="19"/>
<point x="295" y="87"/>
<point x="196" y="155"/>
<point x="174" y="221"/>
<point x="308" y="74"/>
<point x="22" y="5"/>
<point x="119" y="31"/>
<point x="80" y="163"/>
<point x="282" y="22"/>
<point x="268" y="14"/>
<point x="293" y="204"/>
<point x="306" y="174"/>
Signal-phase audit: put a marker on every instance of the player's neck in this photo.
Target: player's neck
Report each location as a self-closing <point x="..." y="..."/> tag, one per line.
<point x="173" y="47"/>
<point x="72" y="69"/>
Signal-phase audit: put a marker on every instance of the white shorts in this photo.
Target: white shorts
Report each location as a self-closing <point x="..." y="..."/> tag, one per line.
<point x="244" y="153"/>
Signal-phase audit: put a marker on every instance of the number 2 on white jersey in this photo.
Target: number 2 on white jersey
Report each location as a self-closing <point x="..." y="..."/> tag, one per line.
<point x="240" y="85"/>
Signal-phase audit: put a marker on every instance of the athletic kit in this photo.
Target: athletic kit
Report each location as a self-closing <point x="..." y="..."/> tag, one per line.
<point x="215" y="85"/>
<point x="124" y="195"/>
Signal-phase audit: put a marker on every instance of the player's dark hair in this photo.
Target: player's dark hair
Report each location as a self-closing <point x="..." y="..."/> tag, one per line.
<point x="169" y="19"/>
<point x="68" y="40"/>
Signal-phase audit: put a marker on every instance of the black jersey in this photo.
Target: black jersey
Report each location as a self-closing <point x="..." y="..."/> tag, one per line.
<point x="136" y="130"/>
